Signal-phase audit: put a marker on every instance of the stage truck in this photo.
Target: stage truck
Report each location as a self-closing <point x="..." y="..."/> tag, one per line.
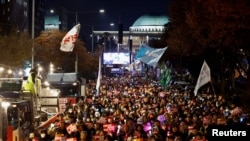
<point x="27" y="104"/>
<point x="60" y="90"/>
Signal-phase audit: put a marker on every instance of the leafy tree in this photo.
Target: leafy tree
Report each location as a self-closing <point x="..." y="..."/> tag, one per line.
<point x="48" y="51"/>
<point x="15" y="49"/>
<point x="214" y="30"/>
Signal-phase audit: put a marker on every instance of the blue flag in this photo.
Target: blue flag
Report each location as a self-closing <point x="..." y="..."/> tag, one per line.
<point x="142" y="51"/>
<point x="150" y="56"/>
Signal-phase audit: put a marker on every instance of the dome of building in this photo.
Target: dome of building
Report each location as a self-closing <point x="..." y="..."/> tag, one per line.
<point x="150" y="23"/>
<point x="151" y="20"/>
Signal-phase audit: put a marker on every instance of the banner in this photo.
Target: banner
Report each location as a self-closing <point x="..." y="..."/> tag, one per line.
<point x="69" y="40"/>
<point x="71" y="128"/>
<point x="204" y="77"/>
<point x="150" y="56"/>
<point x="109" y="128"/>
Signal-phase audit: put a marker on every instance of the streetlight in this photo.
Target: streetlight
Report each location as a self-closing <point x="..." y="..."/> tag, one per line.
<point x="1" y="69"/>
<point x="33" y="33"/>
<point x="76" y="16"/>
<point x="52" y="11"/>
<point x="85" y="12"/>
<point x="51" y="68"/>
<point x="5" y="70"/>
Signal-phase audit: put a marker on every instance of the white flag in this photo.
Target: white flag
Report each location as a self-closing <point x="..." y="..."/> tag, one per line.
<point x="99" y="77"/>
<point x="204" y="77"/>
<point x="69" y="40"/>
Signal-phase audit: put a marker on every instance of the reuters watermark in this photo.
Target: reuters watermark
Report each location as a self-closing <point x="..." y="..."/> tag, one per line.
<point x="219" y="132"/>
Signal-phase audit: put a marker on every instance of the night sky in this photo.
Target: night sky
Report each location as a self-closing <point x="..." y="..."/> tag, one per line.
<point x="125" y="12"/>
<point x="116" y="11"/>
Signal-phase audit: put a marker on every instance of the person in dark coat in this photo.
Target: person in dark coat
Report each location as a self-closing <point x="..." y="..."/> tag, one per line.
<point x="43" y="135"/>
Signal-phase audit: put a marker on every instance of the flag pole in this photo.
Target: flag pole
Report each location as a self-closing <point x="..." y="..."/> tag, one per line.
<point x="76" y="63"/>
<point x="212" y="87"/>
<point x="33" y="34"/>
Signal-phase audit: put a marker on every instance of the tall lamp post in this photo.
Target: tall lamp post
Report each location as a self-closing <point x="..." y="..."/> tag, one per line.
<point x="85" y="12"/>
<point x="88" y="12"/>
<point x="33" y="33"/>
<point x="92" y="39"/>
<point x="76" y="18"/>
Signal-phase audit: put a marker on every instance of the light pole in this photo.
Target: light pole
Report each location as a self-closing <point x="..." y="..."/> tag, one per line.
<point x="92" y="39"/>
<point x="76" y="18"/>
<point x="88" y="12"/>
<point x="85" y="12"/>
<point x="33" y="33"/>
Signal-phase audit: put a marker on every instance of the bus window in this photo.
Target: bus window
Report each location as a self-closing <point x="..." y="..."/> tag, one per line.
<point x="12" y="113"/>
<point x="22" y="116"/>
<point x="68" y="90"/>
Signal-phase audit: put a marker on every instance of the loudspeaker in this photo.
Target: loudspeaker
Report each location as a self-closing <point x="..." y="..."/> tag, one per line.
<point x="130" y="45"/>
<point x="120" y="33"/>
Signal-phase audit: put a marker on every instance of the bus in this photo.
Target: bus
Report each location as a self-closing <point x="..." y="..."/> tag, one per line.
<point x="16" y="117"/>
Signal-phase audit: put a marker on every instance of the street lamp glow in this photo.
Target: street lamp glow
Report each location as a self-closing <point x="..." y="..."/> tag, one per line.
<point x="20" y="72"/>
<point x="101" y="10"/>
<point x="10" y="71"/>
<point x="40" y="69"/>
<point x="51" y="68"/>
<point x="5" y="104"/>
<point x="1" y="69"/>
<point x="52" y="11"/>
<point x="46" y="83"/>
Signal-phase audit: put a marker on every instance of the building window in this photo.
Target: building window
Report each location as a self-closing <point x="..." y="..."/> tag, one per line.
<point x="25" y="3"/>
<point x="19" y="2"/>
<point x="3" y="12"/>
<point x="25" y="13"/>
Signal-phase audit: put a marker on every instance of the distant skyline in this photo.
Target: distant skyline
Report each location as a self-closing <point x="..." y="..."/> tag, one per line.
<point x="116" y="11"/>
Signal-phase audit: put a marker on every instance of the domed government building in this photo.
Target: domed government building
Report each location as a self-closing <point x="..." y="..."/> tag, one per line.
<point x="142" y="31"/>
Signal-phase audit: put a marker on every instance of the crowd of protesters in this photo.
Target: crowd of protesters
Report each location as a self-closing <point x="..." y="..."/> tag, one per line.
<point x="137" y="108"/>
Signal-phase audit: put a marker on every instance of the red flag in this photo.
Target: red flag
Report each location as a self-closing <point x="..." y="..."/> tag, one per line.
<point x="69" y="40"/>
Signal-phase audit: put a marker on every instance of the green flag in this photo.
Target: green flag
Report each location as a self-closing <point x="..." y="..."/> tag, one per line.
<point x="165" y="77"/>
